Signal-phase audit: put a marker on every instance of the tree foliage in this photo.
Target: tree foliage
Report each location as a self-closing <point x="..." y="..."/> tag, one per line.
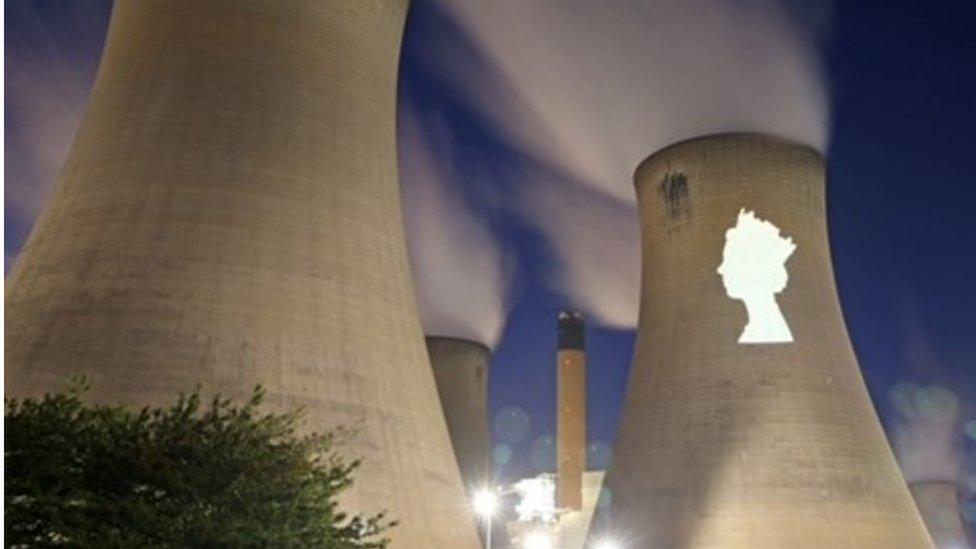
<point x="189" y="475"/>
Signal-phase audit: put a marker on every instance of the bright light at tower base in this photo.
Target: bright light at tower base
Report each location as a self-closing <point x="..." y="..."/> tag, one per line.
<point x="485" y="502"/>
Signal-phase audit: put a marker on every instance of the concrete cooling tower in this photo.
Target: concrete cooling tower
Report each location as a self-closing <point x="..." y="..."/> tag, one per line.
<point x="938" y="501"/>
<point x="461" y="370"/>
<point x="747" y="423"/>
<point x="229" y="215"/>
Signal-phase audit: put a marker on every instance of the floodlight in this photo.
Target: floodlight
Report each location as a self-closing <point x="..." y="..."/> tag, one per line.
<point x="485" y="502"/>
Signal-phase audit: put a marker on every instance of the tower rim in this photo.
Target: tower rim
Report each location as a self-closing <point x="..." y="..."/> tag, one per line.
<point x="456" y="339"/>
<point x="772" y="138"/>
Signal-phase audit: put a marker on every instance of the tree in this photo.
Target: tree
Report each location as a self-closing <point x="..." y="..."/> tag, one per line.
<point x="222" y="475"/>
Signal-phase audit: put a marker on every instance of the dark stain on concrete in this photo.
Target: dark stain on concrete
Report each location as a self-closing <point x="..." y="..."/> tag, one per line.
<point x="674" y="188"/>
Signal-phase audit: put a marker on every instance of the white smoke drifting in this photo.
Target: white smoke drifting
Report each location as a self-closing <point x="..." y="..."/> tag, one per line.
<point x="590" y="89"/>
<point x="595" y="235"/>
<point x="49" y="72"/>
<point x="49" y="98"/>
<point x="928" y="435"/>
<point x="603" y="84"/>
<point x="458" y="267"/>
<point x="929" y="429"/>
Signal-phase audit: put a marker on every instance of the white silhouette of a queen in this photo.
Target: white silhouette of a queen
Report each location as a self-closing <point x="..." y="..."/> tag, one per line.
<point x="753" y="270"/>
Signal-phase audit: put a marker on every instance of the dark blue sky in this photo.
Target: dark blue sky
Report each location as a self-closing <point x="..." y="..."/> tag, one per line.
<point x="903" y="78"/>
<point x="901" y="194"/>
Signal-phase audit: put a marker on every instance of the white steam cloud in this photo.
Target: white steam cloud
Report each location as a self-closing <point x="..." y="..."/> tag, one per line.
<point x="458" y="267"/>
<point x="587" y="89"/>
<point x="595" y="235"/>
<point x="49" y="98"/>
<point x="929" y="429"/>
<point x="49" y="74"/>
<point x="601" y="85"/>
<point x="928" y="435"/>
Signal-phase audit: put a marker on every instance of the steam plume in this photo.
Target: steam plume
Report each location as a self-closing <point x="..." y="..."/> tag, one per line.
<point x="49" y="76"/>
<point x="457" y="265"/>
<point x="600" y="85"/>
<point x="596" y="236"/>
<point x="928" y="435"/>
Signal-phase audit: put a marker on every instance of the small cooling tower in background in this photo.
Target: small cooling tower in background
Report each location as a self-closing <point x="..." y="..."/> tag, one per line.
<point x="461" y="370"/>
<point x="229" y="215"/>
<point x="747" y="423"/>
<point x="938" y="501"/>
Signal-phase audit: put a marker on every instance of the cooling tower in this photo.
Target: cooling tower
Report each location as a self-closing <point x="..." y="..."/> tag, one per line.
<point x="229" y="215"/>
<point x="747" y="423"/>
<point x="571" y="419"/>
<point x="938" y="501"/>
<point x="461" y="370"/>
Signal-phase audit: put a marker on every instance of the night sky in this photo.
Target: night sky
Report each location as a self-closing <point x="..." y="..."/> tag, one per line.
<point x="901" y="200"/>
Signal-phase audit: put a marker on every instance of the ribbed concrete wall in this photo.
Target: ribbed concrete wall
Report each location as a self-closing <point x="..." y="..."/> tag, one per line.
<point x="229" y="214"/>
<point x="938" y="501"/>
<point x="729" y="445"/>
<point x="461" y="370"/>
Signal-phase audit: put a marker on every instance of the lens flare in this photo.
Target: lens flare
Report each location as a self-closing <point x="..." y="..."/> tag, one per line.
<point x="485" y="502"/>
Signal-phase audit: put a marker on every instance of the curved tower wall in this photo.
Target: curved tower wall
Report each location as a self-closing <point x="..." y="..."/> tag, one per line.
<point x="746" y="445"/>
<point x="461" y="370"/>
<point x="229" y="215"/>
<point x="938" y="502"/>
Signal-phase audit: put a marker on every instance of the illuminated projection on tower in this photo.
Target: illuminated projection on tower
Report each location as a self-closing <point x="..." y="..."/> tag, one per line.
<point x="753" y="271"/>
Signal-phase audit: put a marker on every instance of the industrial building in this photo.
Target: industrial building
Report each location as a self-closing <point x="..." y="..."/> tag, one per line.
<point x="747" y="423"/>
<point x="229" y="215"/>
<point x="541" y="524"/>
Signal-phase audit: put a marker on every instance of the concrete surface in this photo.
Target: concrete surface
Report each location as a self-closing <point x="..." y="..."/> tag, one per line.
<point x="758" y="446"/>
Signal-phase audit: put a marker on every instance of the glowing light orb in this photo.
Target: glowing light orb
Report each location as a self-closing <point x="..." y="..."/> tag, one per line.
<point x="512" y="424"/>
<point x="485" y="503"/>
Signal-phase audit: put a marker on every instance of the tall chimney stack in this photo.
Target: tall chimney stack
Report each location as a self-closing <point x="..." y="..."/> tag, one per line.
<point x="229" y="215"/>
<point x="938" y="501"/>
<point x="746" y="422"/>
<point x="571" y="400"/>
